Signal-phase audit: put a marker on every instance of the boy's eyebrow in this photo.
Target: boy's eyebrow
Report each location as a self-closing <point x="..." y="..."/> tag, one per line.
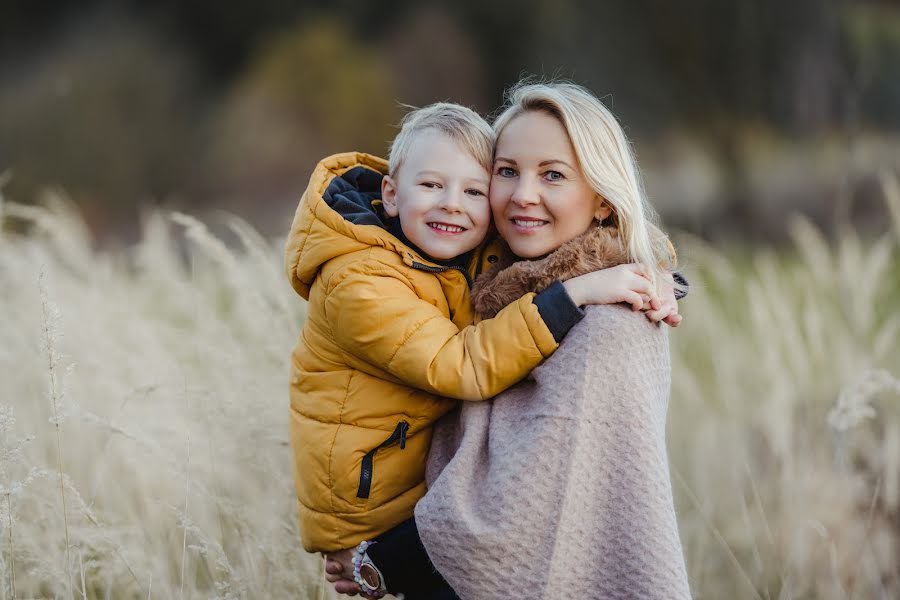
<point x="429" y="172"/>
<point x="486" y="180"/>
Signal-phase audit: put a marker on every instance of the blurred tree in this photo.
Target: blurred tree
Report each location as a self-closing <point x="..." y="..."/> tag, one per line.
<point x="311" y="91"/>
<point x="729" y="79"/>
<point x="107" y="112"/>
<point x="604" y="47"/>
<point x="873" y="47"/>
<point x="431" y="58"/>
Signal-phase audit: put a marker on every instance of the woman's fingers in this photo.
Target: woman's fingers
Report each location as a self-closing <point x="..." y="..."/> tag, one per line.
<point x="345" y="586"/>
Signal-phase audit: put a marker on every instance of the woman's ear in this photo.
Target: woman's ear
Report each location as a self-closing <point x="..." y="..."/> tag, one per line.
<point x="389" y="196"/>
<point x="603" y="209"/>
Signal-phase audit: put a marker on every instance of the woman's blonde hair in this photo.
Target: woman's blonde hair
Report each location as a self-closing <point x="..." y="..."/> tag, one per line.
<point x="606" y="159"/>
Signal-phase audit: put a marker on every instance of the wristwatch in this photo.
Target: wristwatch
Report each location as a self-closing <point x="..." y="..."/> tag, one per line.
<point x="365" y="573"/>
<point x="372" y="579"/>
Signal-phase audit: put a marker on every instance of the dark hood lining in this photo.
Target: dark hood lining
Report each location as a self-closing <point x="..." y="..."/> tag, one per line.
<point x="351" y="196"/>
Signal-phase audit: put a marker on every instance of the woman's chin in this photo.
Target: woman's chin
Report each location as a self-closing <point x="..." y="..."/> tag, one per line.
<point x="529" y="249"/>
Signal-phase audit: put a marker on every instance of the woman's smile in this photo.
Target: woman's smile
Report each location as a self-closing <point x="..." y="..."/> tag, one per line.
<point x="528" y="225"/>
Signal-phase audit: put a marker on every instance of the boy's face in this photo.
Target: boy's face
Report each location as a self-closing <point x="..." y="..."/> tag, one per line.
<point x="440" y="195"/>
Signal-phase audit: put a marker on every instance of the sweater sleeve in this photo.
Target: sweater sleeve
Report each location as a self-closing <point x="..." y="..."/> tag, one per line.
<point x="376" y="316"/>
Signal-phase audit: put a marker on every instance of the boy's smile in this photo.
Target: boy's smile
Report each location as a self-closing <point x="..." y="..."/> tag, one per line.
<point x="440" y="195"/>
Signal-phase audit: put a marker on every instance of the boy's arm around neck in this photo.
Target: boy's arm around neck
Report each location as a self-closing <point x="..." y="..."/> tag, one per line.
<point x="377" y="316"/>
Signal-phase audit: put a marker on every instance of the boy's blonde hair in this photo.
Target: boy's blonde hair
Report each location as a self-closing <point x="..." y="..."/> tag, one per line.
<point x="606" y="159"/>
<point x="462" y="124"/>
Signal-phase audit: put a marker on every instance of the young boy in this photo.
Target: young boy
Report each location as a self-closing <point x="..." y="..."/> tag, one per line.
<point x="385" y="254"/>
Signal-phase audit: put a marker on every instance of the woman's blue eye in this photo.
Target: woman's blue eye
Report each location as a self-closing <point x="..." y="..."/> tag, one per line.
<point x="506" y="172"/>
<point x="554" y="176"/>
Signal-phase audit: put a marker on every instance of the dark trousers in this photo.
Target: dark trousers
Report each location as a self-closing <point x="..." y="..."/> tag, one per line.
<point x="403" y="561"/>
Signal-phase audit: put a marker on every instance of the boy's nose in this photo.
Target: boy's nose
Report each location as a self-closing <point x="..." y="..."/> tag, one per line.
<point x="451" y="201"/>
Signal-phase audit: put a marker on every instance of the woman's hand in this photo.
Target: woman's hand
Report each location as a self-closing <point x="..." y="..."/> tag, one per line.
<point x="668" y="309"/>
<point x="339" y="571"/>
<point x="623" y="283"/>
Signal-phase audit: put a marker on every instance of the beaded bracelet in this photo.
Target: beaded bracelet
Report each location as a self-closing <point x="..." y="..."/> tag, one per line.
<point x="361" y="559"/>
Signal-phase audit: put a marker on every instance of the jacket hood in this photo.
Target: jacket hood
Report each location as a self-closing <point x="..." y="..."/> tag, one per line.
<point x="339" y="213"/>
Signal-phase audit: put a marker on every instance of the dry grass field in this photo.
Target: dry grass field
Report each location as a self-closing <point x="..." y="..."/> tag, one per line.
<point x="144" y="449"/>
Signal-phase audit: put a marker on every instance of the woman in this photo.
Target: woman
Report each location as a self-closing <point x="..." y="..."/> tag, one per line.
<point x="560" y="487"/>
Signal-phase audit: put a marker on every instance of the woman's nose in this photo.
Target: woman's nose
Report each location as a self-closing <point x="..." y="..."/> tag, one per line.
<point x="525" y="193"/>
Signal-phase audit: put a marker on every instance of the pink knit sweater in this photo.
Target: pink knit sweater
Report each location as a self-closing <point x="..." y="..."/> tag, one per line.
<point x="559" y="487"/>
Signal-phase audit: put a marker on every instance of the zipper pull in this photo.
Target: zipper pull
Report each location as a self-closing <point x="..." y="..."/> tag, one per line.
<point x="365" y="471"/>
<point x="403" y="427"/>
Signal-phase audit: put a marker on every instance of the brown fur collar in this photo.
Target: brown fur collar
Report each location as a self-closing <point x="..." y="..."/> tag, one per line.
<point x="593" y="250"/>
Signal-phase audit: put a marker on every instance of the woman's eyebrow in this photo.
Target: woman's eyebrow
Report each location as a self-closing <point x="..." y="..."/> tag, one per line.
<point x="507" y="160"/>
<point x="555" y="160"/>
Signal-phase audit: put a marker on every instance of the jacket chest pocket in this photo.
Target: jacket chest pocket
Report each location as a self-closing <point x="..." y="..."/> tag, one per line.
<point x="368" y="461"/>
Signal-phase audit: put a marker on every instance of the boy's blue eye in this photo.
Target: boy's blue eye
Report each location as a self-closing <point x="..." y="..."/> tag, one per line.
<point x="506" y="172"/>
<point x="430" y="184"/>
<point x="475" y="192"/>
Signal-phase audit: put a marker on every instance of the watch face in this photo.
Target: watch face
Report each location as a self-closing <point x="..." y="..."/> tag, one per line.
<point x="370" y="576"/>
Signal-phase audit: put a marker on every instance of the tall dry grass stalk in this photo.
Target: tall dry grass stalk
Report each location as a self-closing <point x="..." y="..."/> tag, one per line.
<point x="784" y="423"/>
<point x="11" y="460"/>
<point x="50" y="337"/>
<point x="166" y="352"/>
<point x="785" y="417"/>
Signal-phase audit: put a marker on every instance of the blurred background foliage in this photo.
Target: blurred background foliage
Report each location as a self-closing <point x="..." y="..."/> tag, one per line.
<point x="742" y="112"/>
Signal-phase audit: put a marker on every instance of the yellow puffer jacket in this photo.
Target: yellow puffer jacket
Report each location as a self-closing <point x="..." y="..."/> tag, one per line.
<point x="388" y="338"/>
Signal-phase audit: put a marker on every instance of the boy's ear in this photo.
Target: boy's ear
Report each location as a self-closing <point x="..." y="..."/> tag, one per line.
<point x="389" y="196"/>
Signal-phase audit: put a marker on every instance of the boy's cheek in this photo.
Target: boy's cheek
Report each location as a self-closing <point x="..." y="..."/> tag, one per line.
<point x="482" y="232"/>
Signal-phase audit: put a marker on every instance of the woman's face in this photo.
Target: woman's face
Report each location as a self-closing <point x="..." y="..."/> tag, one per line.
<point x="539" y="197"/>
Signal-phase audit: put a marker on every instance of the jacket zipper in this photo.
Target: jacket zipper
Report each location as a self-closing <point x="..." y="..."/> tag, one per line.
<point x="430" y="269"/>
<point x="365" y="474"/>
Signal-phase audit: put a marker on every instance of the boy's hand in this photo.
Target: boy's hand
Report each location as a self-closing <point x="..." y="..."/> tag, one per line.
<point x="668" y="309"/>
<point x="622" y="283"/>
